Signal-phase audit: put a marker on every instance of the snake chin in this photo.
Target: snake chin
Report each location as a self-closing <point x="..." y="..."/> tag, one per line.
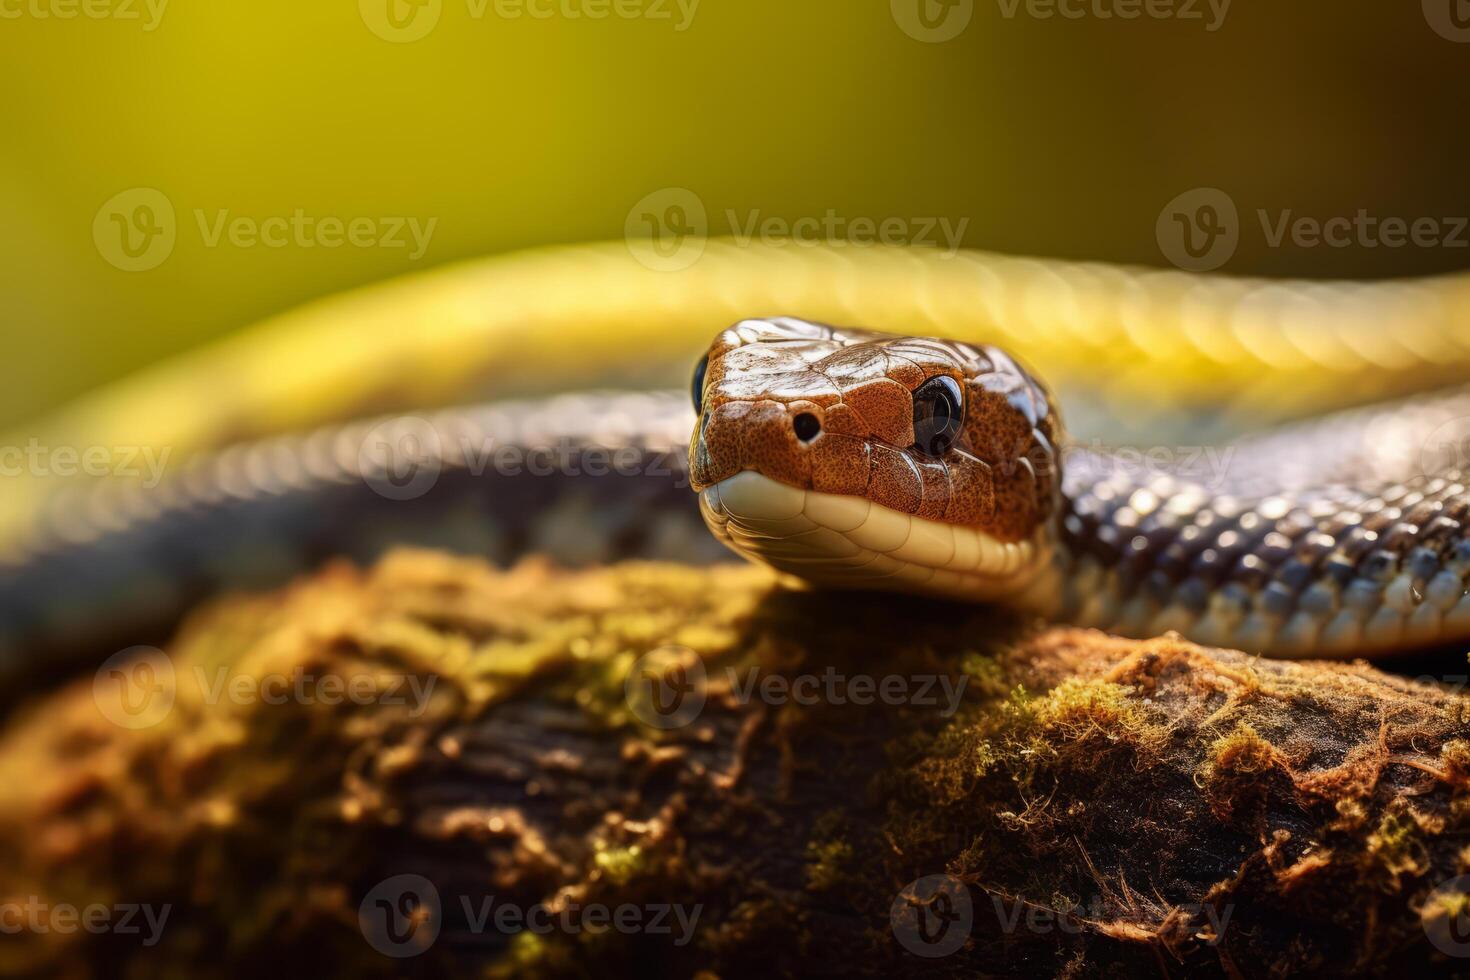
<point x="850" y="542"/>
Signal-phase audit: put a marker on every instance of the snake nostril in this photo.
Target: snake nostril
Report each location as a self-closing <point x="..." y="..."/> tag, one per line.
<point x="806" y="425"/>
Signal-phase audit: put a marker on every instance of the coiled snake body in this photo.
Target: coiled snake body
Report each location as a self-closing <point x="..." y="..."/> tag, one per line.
<point x="927" y="461"/>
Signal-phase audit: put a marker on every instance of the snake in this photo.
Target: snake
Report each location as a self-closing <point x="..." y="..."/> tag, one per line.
<point x="875" y="419"/>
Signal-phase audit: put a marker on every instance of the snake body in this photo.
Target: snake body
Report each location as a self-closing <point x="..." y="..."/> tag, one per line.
<point x="1340" y="535"/>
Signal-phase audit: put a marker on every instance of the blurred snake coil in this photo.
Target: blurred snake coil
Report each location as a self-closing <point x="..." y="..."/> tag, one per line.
<point x="1336" y="534"/>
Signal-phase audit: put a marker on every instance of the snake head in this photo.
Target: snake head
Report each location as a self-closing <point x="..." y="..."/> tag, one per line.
<point x="860" y="459"/>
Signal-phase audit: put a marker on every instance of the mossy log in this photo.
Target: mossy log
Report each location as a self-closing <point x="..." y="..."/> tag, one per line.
<point x="1068" y="803"/>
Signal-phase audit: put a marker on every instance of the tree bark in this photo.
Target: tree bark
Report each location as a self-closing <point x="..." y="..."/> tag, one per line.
<point x="432" y="766"/>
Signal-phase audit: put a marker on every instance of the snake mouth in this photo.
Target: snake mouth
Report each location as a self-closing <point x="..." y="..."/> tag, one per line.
<point x="851" y="542"/>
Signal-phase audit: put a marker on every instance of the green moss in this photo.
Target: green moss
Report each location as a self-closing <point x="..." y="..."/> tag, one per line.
<point x="827" y="863"/>
<point x="618" y="865"/>
<point x="1089" y="711"/>
<point x="1396" y="847"/>
<point x="955" y="762"/>
<point x="529" y="954"/>
<point x="987" y="676"/>
<point x="1242" y="752"/>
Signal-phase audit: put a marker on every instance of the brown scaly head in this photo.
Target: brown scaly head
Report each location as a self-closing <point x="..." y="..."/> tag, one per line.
<point x="868" y="460"/>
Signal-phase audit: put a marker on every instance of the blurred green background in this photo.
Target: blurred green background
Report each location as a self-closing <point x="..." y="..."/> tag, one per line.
<point x="1050" y="135"/>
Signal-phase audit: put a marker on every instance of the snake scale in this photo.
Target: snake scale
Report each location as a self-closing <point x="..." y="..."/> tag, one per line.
<point x="931" y="460"/>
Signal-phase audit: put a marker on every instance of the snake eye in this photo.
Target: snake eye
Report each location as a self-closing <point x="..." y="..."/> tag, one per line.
<point x="698" y="389"/>
<point x="939" y="414"/>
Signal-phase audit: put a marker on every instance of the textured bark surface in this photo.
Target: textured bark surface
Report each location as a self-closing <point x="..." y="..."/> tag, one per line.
<point x="1092" y="806"/>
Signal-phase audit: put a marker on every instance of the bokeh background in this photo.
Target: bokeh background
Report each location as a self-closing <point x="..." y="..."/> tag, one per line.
<point x="1044" y="134"/>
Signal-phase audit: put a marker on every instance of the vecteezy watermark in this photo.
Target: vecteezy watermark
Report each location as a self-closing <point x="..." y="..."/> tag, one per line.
<point x="1447" y="448"/>
<point x="1094" y="462"/>
<point x="145" y="464"/>
<point x="835" y="229"/>
<point x="402" y="916"/>
<point x="134" y="688"/>
<point x="137" y="229"/>
<point x="401" y="21"/>
<point x="121" y="918"/>
<point x="403" y="458"/>
<point x="932" y="21"/>
<point x="1200" y="230"/>
<point x="1014" y="916"/>
<point x="1210" y="13"/>
<point x="147" y="13"/>
<point x="933" y="916"/>
<point x="404" y="21"/>
<point x="137" y="688"/>
<point x="1455" y="683"/>
<point x="1445" y="916"/>
<point x="836" y="688"/>
<point x="668" y="686"/>
<point x="1450" y="19"/>
<point x="667" y="230"/>
<point x="1363" y="230"/>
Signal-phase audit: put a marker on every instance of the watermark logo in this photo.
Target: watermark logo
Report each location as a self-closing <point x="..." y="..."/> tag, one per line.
<point x="1450" y="19"/>
<point x="666" y="687"/>
<point x="405" y="21"/>
<point x="836" y="688"/>
<point x="1447" y="448"/>
<point x="134" y="688"/>
<point x="400" y="21"/>
<point x="1014" y="915"/>
<point x="1211" y="13"/>
<point x="122" y="919"/>
<point x="303" y="230"/>
<point x="932" y="21"/>
<point x="401" y="459"/>
<point x="836" y="229"/>
<point x="666" y="231"/>
<point x="401" y="916"/>
<point x="1199" y="230"/>
<point x="1208" y="466"/>
<point x="572" y="918"/>
<point x="1362" y="230"/>
<point x="136" y="230"/>
<point x="679" y="13"/>
<point x="1445" y="916"/>
<point x="932" y="916"/>
<point x="149" y="13"/>
<point x="146" y="464"/>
